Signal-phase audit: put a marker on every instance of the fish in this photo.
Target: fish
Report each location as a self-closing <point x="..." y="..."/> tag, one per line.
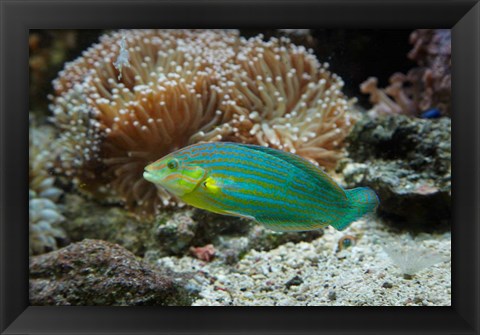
<point x="277" y="189"/>
<point x="432" y="113"/>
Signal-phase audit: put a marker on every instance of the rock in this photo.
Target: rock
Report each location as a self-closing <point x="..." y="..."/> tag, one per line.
<point x="387" y="285"/>
<point x="175" y="235"/>
<point x="211" y="226"/>
<point x="264" y="239"/>
<point x="218" y="229"/>
<point x="407" y="161"/>
<point x="332" y="295"/>
<point x="172" y="233"/>
<point x="89" y="219"/>
<point x="230" y="236"/>
<point x="94" y="272"/>
<point x="189" y="228"/>
<point x="295" y="281"/>
<point x="232" y="249"/>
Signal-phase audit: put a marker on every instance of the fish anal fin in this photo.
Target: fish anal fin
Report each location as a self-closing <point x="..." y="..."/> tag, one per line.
<point x="233" y="213"/>
<point x="289" y="225"/>
<point x="342" y="224"/>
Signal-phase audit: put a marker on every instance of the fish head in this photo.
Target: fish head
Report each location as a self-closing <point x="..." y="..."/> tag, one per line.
<point x="175" y="174"/>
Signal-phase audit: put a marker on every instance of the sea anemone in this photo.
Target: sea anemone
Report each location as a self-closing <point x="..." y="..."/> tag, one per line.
<point x="282" y="97"/>
<point x="113" y="126"/>
<point x="141" y="94"/>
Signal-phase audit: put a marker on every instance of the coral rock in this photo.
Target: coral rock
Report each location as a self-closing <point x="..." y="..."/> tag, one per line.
<point x="205" y="253"/>
<point x="88" y="219"/>
<point x="407" y="162"/>
<point x="423" y="88"/>
<point x="95" y="272"/>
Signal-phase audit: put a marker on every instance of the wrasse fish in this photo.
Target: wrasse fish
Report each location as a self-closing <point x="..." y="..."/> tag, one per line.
<point x="277" y="189"/>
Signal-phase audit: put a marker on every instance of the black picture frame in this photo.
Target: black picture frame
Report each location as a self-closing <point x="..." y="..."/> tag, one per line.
<point x="18" y="16"/>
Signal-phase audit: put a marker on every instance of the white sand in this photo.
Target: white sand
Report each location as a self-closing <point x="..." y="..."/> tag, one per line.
<point x="361" y="275"/>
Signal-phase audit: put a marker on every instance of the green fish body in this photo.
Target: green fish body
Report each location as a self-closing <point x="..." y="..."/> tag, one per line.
<point x="277" y="189"/>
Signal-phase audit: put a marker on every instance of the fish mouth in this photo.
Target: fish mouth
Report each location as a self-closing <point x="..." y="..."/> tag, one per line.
<point x="147" y="175"/>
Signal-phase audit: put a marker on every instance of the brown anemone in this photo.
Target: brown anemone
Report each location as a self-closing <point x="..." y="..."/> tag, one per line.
<point x="141" y="94"/>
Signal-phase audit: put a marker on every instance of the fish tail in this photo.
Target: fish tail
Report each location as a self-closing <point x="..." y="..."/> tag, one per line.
<point x="362" y="200"/>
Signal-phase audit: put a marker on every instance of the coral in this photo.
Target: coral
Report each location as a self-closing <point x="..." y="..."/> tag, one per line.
<point x="111" y="128"/>
<point x="44" y="220"/>
<point x="41" y="180"/>
<point x="44" y="214"/>
<point x="180" y="87"/>
<point x="282" y="97"/>
<point x="205" y="253"/>
<point x="423" y="88"/>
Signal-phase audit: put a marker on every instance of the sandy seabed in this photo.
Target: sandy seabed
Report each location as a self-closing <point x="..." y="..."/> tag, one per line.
<point x="318" y="273"/>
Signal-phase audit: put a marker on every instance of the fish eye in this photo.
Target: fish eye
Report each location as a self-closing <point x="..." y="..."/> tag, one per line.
<point x="173" y="164"/>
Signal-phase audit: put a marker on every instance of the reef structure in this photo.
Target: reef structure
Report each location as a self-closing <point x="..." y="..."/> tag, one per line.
<point x="138" y="95"/>
<point x="44" y="215"/>
<point x="424" y="90"/>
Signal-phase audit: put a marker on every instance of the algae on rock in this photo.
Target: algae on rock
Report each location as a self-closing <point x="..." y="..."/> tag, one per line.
<point x="407" y="161"/>
<point x="88" y="219"/>
<point x="94" y="272"/>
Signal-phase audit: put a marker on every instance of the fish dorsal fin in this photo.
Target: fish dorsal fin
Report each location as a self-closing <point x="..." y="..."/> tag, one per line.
<point x="321" y="178"/>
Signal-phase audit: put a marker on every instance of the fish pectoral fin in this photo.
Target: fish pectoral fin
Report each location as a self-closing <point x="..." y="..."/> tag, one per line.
<point x="211" y="185"/>
<point x="216" y="185"/>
